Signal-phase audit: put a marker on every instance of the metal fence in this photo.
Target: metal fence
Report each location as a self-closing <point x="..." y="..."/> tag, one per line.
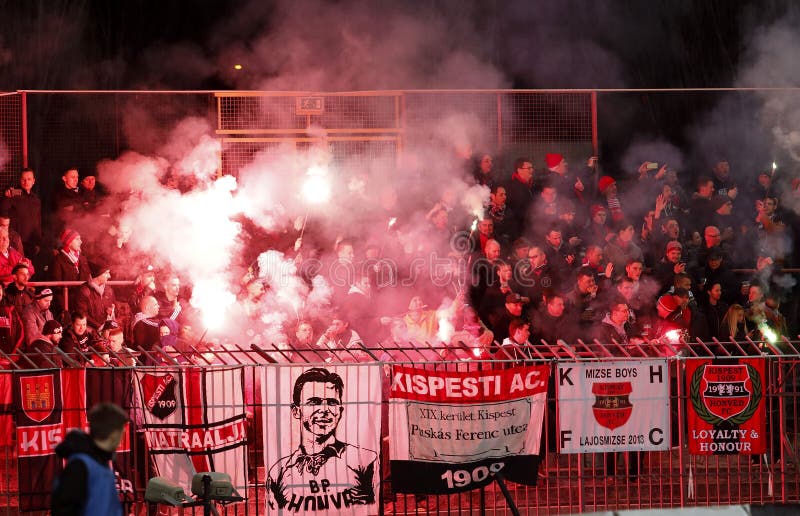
<point x="568" y="483"/>
<point x="52" y="131"/>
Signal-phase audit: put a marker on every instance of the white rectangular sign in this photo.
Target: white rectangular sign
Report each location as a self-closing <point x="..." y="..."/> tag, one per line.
<point x="322" y="439"/>
<point x="613" y="406"/>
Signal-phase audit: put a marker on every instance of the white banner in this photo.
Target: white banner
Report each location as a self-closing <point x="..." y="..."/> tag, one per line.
<point x="322" y="438"/>
<point x="613" y="406"/>
<point x="451" y="430"/>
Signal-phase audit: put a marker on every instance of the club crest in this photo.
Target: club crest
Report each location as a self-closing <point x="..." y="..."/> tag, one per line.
<point x="158" y="393"/>
<point x="612" y="405"/>
<point x="38" y="396"/>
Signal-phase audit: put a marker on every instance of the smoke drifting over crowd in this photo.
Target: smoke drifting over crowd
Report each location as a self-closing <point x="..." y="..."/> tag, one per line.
<point x="213" y="230"/>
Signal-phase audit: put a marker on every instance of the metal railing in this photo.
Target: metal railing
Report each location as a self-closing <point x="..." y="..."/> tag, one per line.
<point x="567" y="483"/>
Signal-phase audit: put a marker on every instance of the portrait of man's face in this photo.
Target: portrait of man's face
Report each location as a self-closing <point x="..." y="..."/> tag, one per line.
<point x="320" y="408"/>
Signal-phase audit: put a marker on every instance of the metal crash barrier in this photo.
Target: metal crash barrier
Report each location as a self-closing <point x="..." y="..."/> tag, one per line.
<point x="704" y="452"/>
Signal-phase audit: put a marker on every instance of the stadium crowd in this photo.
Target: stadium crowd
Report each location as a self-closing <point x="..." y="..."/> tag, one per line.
<point x="557" y="253"/>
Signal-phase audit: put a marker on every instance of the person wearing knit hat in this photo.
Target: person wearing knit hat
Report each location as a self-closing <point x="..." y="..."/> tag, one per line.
<point x="42" y="350"/>
<point x="554" y="160"/>
<point x="70" y="264"/>
<point x="669" y="265"/>
<point x="607" y="186"/>
<point x="604" y="183"/>
<point x="558" y="176"/>
<point x="70" y="240"/>
<point x="96" y="298"/>
<point x="598" y="231"/>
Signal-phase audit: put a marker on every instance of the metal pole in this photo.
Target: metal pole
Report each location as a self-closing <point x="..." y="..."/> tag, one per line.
<point x="678" y="364"/>
<point x="24" y="128"/>
<point x="498" y="477"/>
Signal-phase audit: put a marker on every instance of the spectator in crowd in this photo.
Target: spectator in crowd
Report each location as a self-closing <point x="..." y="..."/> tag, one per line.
<point x="145" y="325"/>
<point x="700" y="207"/>
<point x="723" y="182"/>
<point x="714" y="310"/>
<point x="516" y="346"/>
<point x="421" y="323"/>
<point x="171" y="306"/>
<point x="341" y="341"/>
<point x="119" y="355"/>
<point x="734" y="325"/>
<point x="96" y="298"/>
<point x="303" y="339"/>
<point x="70" y="264"/>
<point x="723" y="217"/>
<point x="607" y="186"/>
<point x="716" y="270"/>
<point x="506" y="222"/>
<point x="90" y="193"/>
<point x="484" y="170"/>
<point x="484" y="234"/>
<point x="67" y="199"/>
<point x="560" y="255"/>
<point x="36" y="314"/>
<point x="483" y="271"/>
<point x="24" y="208"/>
<point x="551" y="323"/>
<point x="499" y="319"/>
<point x="597" y="231"/>
<point x="18" y="293"/>
<point x="668" y="230"/>
<point x="615" y="326"/>
<point x="77" y="337"/>
<point x="144" y="285"/>
<point x="558" y="175"/>
<point x="42" y="350"/>
<point x="622" y="248"/>
<point x="544" y="211"/>
<point x="9" y="258"/>
<point x="519" y="189"/>
<point x="669" y="266"/>
<point x="14" y="239"/>
<point x="496" y="293"/>
<point x="537" y="277"/>
<point x="12" y="333"/>
<point x="582" y="301"/>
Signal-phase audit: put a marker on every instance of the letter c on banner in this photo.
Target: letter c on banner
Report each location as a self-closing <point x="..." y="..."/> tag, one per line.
<point x="656" y="440"/>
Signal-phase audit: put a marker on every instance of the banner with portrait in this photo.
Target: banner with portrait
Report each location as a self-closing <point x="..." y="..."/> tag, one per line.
<point x="451" y="431"/>
<point x="613" y="406"/>
<point x="725" y="406"/>
<point x="322" y="438"/>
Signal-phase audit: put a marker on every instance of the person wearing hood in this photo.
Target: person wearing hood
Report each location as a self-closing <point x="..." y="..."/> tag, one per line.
<point x="87" y="486"/>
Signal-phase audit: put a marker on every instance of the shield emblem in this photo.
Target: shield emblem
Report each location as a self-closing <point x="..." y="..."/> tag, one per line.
<point x="612" y="405"/>
<point x="726" y="390"/>
<point x="38" y="396"/>
<point x="159" y="394"/>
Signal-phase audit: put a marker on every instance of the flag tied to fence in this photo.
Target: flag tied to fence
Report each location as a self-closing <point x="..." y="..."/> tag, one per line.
<point x="451" y="431"/>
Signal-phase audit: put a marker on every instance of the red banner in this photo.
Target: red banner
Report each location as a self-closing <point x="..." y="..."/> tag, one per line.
<point x="47" y="405"/>
<point x="467" y="387"/>
<point x="725" y="410"/>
